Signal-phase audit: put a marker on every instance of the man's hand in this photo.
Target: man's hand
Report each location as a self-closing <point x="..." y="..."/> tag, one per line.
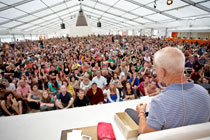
<point x="141" y="108"/>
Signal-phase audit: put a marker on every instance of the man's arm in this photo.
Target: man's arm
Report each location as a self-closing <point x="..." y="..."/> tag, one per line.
<point x="70" y="103"/>
<point x="143" y="127"/>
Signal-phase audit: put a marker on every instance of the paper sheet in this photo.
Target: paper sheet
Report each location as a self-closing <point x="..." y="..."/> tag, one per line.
<point x="74" y="135"/>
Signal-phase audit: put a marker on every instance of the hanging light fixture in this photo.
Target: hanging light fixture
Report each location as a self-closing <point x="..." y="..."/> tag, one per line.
<point x="155" y="3"/>
<point x="169" y="2"/>
<point x="81" y="20"/>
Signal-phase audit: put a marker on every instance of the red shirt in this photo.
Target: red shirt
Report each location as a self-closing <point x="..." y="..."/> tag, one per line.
<point x="141" y="88"/>
<point x="97" y="98"/>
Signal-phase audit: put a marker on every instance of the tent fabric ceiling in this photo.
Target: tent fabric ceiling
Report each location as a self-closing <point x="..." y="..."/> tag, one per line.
<point x="46" y="15"/>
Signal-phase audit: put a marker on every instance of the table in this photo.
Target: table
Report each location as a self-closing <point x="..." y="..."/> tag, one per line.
<point x="48" y="125"/>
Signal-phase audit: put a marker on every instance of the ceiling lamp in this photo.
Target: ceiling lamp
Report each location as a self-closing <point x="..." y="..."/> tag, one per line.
<point x="81" y="20"/>
<point x="62" y="26"/>
<point x="169" y="2"/>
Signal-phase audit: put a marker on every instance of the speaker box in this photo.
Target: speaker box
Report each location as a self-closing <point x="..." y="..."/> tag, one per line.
<point x="99" y="24"/>
<point x="62" y="26"/>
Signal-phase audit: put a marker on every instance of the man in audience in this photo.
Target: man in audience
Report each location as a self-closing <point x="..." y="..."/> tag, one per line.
<point x="10" y="86"/>
<point x="95" y="95"/>
<point x="81" y="99"/>
<point x="23" y="89"/>
<point x="64" y="99"/>
<point x="99" y="80"/>
<point x="190" y="102"/>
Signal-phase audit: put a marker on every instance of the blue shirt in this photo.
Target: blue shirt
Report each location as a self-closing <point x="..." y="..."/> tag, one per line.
<point x="64" y="99"/>
<point x="167" y="109"/>
<point x="136" y="82"/>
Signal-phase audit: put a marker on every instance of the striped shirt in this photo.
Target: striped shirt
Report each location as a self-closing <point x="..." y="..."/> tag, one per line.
<point x="167" y="109"/>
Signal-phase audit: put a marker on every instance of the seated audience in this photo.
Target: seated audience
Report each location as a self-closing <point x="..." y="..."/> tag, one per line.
<point x="152" y="89"/>
<point x="10" y="105"/>
<point x="99" y="80"/>
<point x="81" y="99"/>
<point x="95" y="95"/>
<point x="128" y="92"/>
<point x="47" y="103"/>
<point x="113" y="94"/>
<point x="34" y="98"/>
<point x="64" y="99"/>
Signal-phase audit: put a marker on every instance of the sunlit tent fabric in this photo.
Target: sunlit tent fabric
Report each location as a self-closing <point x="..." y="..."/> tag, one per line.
<point x="45" y="16"/>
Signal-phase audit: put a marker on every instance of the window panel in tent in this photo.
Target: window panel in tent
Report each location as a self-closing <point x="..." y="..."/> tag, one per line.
<point x="2" y="20"/>
<point x="37" y="21"/>
<point x="115" y="11"/>
<point x="43" y="13"/>
<point x="109" y="15"/>
<point x="96" y="12"/>
<point x="28" y="6"/>
<point x="101" y="7"/>
<point x="132" y="23"/>
<point x="126" y="5"/>
<point x="2" y="5"/>
<point x="197" y="0"/>
<point x="142" y="11"/>
<point x="162" y="6"/>
<point x="25" y="26"/>
<point x="51" y="2"/>
<point x="158" y="17"/>
<point x="65" y="12"/>
<point x="10" y="1"/>
<point x="186" y="12"/>
<point x="206" y="4"/>
<point x="86" y="9"/>
<point x="11" y="13"/>
<point x="129" y="16"/>
<point x="27" y="18"/>
<point x="89" y="3"/>
<point x="109" y="2"/>
<point x="51" y="17"/>
<point x="144" y="1"/>
<point x="11" y="24"/>
<point x="142" y="20"/>
<point x="59" y="7"/>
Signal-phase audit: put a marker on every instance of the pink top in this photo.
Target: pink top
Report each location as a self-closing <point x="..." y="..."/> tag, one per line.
<point x="24" y="91"/>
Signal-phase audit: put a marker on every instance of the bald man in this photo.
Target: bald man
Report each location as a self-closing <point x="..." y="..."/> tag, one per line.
<point x="181" y="103"/>
<point x="64" y="99"/>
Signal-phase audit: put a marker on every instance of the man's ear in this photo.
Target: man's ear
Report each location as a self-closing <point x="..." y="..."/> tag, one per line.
<point x="162" y="73"/>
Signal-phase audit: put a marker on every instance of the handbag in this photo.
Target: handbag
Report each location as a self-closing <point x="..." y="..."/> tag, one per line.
<point x="105" y="131"/>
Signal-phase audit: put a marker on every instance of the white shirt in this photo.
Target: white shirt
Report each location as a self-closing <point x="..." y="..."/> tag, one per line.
<point x="101" y="82"/>
<point x="85" y="87"/>
<point x="109" y="97"/>
<point x="11" y="86"/>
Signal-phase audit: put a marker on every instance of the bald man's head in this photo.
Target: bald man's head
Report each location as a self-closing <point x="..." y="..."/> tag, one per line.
<point x="170" y="59"/>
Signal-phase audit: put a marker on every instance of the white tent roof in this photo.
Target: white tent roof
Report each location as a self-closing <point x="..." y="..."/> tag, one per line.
<point x="36" y="16"/>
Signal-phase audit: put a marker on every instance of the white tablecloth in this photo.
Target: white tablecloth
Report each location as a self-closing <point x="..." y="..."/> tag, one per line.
<point x="48" y="125"/>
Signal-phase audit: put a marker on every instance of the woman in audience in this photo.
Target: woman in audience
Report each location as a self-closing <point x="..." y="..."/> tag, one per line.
<point x="143" y="85"/>
<point x="47" y="103"/>
<point x="9" y="105"/>
<point x="74" y="83"/>
<point x="53" y="88"/>
<point x="70" y="88"/>
<point x="34" y="98"/>
<point x="128" y="92"/>
<point x="66" y="69"/>
<point x="113" y="94"/>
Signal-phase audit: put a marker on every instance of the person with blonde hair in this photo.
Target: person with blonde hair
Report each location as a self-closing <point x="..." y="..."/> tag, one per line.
<point x="113" y="94"/>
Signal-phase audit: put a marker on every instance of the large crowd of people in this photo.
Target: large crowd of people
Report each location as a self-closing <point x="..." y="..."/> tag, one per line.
<point x="61" y="73"/>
